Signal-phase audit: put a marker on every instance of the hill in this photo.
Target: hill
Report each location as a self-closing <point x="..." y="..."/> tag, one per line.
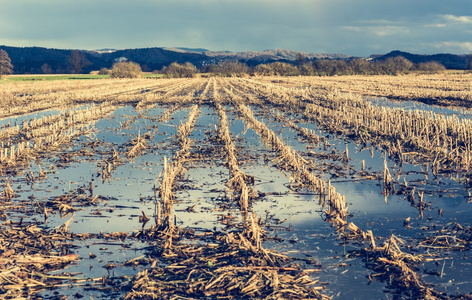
<point x="35" y="60"/>
<point x="30" y="60"/>
<point x="450" y="61"/>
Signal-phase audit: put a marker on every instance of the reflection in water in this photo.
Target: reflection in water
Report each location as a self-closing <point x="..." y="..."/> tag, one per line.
<point x="412" y="105"/>
<point x="18" y="120"/>
<point x="294" y="215"/>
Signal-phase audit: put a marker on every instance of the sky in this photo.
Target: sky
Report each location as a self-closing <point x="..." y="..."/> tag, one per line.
<point x="352" y="27"/>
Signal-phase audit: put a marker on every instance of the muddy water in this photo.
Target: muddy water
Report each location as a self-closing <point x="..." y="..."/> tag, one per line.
<point x="412" y="105"/>
<point x="18" y="120"/>
<point x="370" y="210"/>
<point x="294" y="216"/>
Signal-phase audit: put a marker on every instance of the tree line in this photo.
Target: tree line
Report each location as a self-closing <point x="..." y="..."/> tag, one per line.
<point x="305" y="67"/>
<point x="301" y="67"/>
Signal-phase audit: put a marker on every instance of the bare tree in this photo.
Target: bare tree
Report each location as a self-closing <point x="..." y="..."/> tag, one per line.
<point x="393" y="66"/>
<point x="5" y="64"/>
<point x="263" y="70"/>
<point x="332" y="67"/>
<point x="284" y="69"/>
<point x="305" y="66"/>
<point x="46" y="69"/>
<point x="401" y="64"/>
<point x="126" y="69"/>
<point x="301" y="59"/>
<point x="230" y="69"/>
<point x="176" y="70"/>
<point x="77" y="61"/>
<point x="104" y="71"/>
<point x="430" y="67"/>
<point x="360" y="66"/>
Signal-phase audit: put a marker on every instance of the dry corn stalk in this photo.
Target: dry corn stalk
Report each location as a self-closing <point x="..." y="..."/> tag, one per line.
<point x="292" y="161"/>
<point x="8" y="192"/>
<point x="139" y="145"/>
<point x="238" y="179"/>
<point x="388" y="182"/>
<point x="171" y="172"/>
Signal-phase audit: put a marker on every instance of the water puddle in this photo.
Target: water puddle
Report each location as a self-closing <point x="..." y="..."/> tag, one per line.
<point x="288" y="214"/>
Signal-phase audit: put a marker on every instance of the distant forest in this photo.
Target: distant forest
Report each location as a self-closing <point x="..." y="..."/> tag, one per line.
<point x="37" y="60"/>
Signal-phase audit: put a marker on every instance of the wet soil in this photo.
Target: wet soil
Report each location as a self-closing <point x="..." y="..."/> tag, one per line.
<point x="84" y="206"/>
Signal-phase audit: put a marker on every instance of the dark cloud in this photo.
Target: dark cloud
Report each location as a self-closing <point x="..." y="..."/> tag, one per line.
<point x="342" y="26"/>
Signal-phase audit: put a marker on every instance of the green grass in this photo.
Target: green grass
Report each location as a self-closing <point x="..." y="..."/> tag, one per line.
<point x="52" y="77"/>
<point x="19" y="78"/>
<point x="152" y="75"/>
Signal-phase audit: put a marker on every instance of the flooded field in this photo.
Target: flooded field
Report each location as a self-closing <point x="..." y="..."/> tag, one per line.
<point x="261" y="188"/>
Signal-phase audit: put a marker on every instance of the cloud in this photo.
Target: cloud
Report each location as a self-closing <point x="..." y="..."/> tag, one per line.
<point x="436" y="25"/>
<point x="378" y="30"/>
<point x="390" y="31"/>
<point x="452" y="46"/>
<point x="355" y="27"/>
<point x="458" y="19"/>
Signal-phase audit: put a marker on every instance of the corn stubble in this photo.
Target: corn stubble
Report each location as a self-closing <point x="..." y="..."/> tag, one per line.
<point x="235" y="264"/>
